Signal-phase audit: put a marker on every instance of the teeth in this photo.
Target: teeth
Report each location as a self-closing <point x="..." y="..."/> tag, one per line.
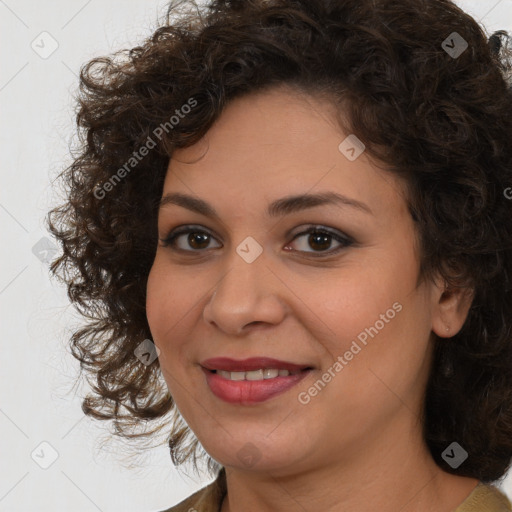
<point x="264" y="373"/>
<point x="254" y="375"/>
<point x="270" y="373"/>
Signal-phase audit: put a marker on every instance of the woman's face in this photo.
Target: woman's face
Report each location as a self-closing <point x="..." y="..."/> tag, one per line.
<point x="250" y="282"/>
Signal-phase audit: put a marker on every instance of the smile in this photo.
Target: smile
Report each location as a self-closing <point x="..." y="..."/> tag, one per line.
<point x="251" y="381"/>
<point x="262" y="374"/>
<point x="245" y="391"/>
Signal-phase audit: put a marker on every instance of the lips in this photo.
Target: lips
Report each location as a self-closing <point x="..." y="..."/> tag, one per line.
<point x="239" y="382"/>
<point x="254" y="363"/>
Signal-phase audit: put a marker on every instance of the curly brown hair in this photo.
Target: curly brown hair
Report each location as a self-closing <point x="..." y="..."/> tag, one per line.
<point x="439" y="119"/>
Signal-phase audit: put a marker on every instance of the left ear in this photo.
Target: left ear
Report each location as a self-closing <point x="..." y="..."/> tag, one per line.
<point x="450" y="307"/>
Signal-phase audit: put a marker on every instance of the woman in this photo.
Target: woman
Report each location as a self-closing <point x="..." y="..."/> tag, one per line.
<point x="302" y="209"/>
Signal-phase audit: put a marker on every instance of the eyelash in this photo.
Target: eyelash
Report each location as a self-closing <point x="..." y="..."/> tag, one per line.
<point x="346" y="241"/>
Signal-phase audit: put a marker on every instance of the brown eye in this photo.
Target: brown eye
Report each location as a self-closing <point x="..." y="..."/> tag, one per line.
<point x="196" y="240"/>
<point x="320" y="241"/>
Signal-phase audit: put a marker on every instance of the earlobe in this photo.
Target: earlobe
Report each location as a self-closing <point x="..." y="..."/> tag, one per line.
<point x="450" y="309"/>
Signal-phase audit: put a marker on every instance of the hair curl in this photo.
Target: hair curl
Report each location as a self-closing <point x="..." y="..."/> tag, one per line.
<point x="441" y="123"/>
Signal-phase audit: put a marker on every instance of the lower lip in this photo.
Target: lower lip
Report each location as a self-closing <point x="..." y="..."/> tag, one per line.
<point x="250" y="391"/>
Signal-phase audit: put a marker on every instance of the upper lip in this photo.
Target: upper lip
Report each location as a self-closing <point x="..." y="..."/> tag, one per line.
<point x="252" y="363"/>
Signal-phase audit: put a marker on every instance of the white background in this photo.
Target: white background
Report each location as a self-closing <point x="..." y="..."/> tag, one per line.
<point x="38" y="401"/>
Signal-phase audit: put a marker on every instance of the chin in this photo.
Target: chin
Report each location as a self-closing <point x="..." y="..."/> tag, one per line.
<point x="249" y="454"/>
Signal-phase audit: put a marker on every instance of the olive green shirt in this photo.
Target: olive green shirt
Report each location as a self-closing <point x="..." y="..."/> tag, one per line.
<point x="484" y="498"/>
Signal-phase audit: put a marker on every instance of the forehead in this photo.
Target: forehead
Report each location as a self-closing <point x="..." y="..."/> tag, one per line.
<point x="275" y="143"/>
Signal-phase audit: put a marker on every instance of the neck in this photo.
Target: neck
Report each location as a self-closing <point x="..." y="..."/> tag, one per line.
<point x="390" y="474"/>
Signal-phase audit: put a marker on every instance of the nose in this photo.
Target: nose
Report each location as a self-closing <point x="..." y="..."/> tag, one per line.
<point x="249" y="294"/>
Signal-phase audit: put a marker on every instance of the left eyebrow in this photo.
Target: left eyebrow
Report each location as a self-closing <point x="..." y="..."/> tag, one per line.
<point x="283" y="206"/>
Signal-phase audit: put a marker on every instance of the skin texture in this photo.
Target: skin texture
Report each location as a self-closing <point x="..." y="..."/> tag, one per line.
<point x="357" y="443"/>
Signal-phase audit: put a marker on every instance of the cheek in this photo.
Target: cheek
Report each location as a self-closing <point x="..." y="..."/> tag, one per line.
<point x="171" y="306"/>
<point x="162" y="304"/>
<point x="383" y="357"/>
<point x="165" y="291"/>
<point x="162" y="317"/>
<point x="153" y="300"/>
<point x="357" y="301"/>
<point x="377" y="305"/>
